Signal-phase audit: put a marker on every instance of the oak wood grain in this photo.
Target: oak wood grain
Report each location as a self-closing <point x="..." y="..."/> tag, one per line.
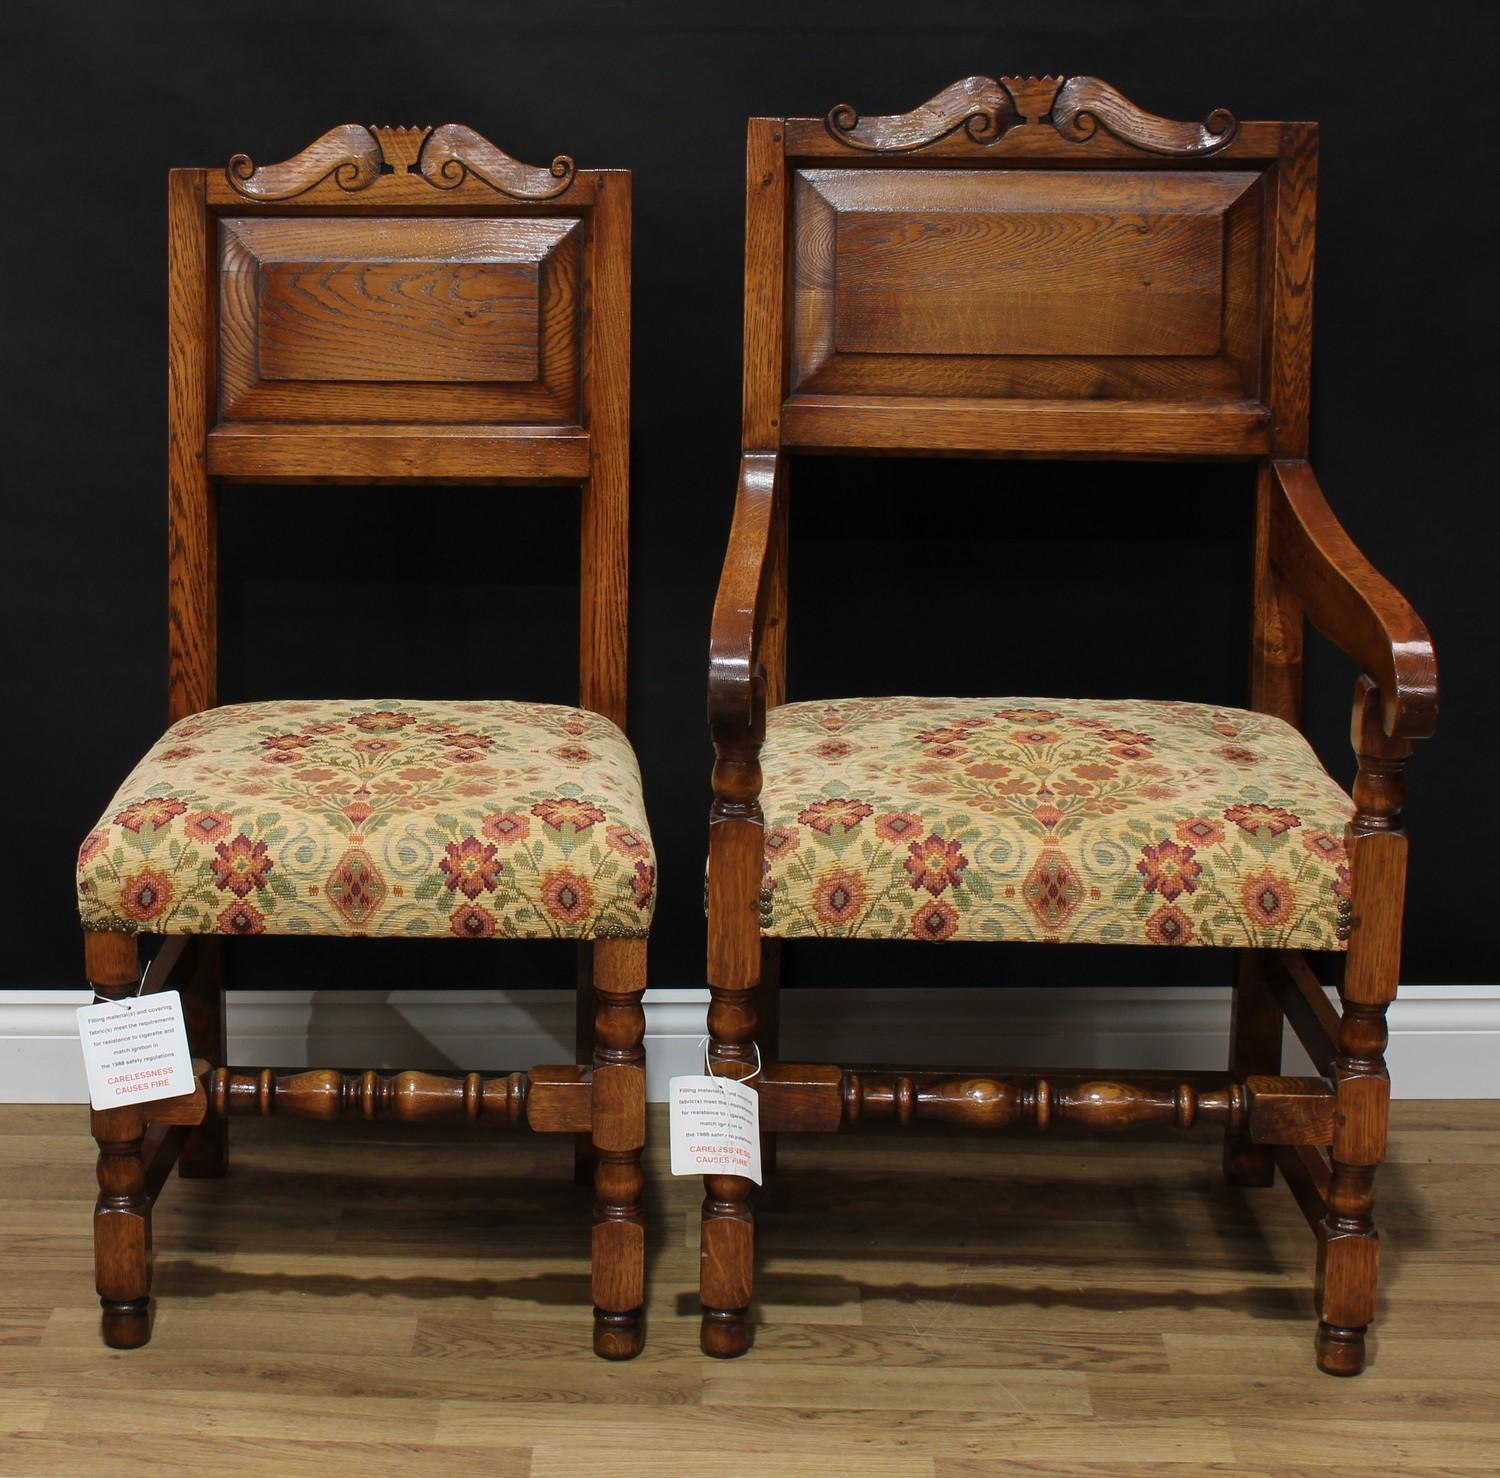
<point x="288" y="452"/>
<point x="192" y="501"/>
<point x="1352" y="604"/>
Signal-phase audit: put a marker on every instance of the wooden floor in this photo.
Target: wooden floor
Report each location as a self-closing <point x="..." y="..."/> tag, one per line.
<point x="933" y="1306"/>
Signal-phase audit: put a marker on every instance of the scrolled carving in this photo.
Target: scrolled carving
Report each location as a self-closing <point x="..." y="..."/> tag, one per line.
<point x="349" y="153"/>
<point x="453" y="152"/>
<point x="1084" y="104"/>
<point x="978" y="105"/>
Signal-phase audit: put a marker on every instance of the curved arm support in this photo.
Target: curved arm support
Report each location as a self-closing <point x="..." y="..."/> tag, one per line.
<point x="1352" y="604"/>
<point x="736" y="690"/>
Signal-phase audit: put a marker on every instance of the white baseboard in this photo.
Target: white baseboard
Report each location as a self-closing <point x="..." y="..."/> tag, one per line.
<point x="1445" y="1040"/>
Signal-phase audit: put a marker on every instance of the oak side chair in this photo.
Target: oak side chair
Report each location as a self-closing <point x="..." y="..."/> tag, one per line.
<point x="405" y="306"/>
<point x="1036" y="267"/>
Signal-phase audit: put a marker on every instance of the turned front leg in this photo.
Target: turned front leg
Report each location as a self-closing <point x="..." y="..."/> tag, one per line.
<point x="1348" y="1245"/>
<point x="618" y="1116"/>
<point x="122" y="1212"/>
<point x="727" y="1246"/>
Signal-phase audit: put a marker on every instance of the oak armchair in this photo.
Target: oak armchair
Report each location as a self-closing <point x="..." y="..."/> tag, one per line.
<point x="407" y="306"/>
<point x="1036" y="267"/>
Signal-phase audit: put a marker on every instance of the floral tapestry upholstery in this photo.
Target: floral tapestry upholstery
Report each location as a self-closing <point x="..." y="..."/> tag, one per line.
<point x="1112" y="822"/>
<point x="459" y="820"/>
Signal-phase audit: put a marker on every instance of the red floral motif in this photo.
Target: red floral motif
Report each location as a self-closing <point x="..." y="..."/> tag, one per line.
<point x="1095" y="772"/>
<point x="470" y="921"/>
<point x="626" y="842"/>
<point x="842" y="812"/>
<point x="180" y="752"/>
<point x="946" y="734"/>
<point x="506" y="827"/>
<point x="417" y="774"/>
<point x="567" y="896"/>
<point x="945" y="751"/>
<point x="833" y="749"/>
<point x="839" y="897"/>
<point x="372" y="723"/>
<point x="1048" y="816"/>
<point x="376" y="746"/>
<point x="355" y="887"/>
<point x="208" y="826"/>
<point x="1341" y="884"/>
<point x="280" y="743"/>
<point x="358" y="812"/>
<point x="1035" y="737"/>
<point x="935" y="864"/>
<point x="241" y="865"/>
<point x="781" y="841"/>
<point x="1200" y="831"/>
<point x="471" y="867"/>
<point x="1052" y="890"/>
<point x="898" y="826"/>
<point x="1130" y="752"/>
<point x="567" y="811"/>
<point x="572" y="754"/>
<point x="1237" y="754"/>
<point x="1028" y="715"/>
<point x="154" y="813"/>
<point x="1268" y="899"/>
<point x="467" y="741"/>
<point x="241" y="918"/>
<point x="1169" y="925"/>
<point x="1325" y="845"/>
<point x="1262" y="820"/>
<point x="934" y="920"/>
<point x="146" y="894"/>
<point x="93" y="844"/>
<point x="987" y="770"/>
<point x="1130" y="737"/>
<point x="1168" y="868"/>
<point x="642" y="883"/>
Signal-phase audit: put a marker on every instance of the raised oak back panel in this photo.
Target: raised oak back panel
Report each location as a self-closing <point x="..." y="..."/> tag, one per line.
<point x="1028" y="266"/>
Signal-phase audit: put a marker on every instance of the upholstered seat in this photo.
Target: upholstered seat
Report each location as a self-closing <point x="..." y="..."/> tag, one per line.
<point x="1058" y="820"/>
<point x="476" y="820"/>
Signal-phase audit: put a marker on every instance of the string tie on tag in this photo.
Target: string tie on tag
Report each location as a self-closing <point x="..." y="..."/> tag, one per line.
<point x="708" y="1067"/>
<point x="123" y="1002"/>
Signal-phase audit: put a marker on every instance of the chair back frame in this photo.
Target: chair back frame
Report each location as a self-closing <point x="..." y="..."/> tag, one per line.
<point x="398" y="305"/>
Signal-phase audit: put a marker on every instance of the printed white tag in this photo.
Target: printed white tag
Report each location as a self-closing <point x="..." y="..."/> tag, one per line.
<point x="135" y="1050"/>
<point x="715" y="1127"/>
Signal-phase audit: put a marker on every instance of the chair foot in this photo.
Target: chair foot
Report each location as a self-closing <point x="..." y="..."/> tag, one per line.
<point x="125" y="1325"/>
<point x="725" y="1333"/>
<point x="617" y="1336"/>
<point x="1340" y="1351"/>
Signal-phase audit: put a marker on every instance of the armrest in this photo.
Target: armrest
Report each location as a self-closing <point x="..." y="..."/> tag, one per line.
<point x="736" y="693"/>
<point x="1351" y="603"/>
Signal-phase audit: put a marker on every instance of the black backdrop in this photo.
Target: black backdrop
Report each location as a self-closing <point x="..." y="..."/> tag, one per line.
<point x="952" y="577"/>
